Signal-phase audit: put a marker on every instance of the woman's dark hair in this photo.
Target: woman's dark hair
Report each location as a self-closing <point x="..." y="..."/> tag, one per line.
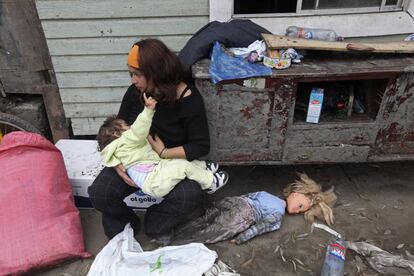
<point x="161" y="66"/>
<point x="109" y="131"/>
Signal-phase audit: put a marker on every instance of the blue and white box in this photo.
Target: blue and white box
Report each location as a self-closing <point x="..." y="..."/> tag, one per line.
<point x="315" y="105"/>
<point x="83" y="163"/>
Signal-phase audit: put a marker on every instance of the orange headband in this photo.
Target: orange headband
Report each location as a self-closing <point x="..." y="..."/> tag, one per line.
<point x="133" y="58"/>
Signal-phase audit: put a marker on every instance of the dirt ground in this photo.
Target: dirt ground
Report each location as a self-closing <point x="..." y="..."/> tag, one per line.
<point x="375" y="204"/>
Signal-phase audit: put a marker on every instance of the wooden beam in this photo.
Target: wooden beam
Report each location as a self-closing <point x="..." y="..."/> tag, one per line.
<point x="283" y="42"/>
<point x="77" y="9"/>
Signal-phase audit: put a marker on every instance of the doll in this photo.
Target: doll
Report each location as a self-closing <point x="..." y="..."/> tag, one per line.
<point x="306" y="196"/>
<point x="244" y="217"/>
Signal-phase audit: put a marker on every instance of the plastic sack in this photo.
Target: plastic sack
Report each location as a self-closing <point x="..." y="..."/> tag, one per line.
<point x="39" y="223"/>
<point x="258" y="46"/>
<point x="124" y="256"/>
<point x="226" y="67"/>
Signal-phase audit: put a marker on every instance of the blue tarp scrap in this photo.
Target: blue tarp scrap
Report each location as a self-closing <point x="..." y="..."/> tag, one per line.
<point x="226" y="67"/>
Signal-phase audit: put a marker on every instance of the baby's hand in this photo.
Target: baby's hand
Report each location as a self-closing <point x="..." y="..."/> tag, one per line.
<point x="149" y="102"/>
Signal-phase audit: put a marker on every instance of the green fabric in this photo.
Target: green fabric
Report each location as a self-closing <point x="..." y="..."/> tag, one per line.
<point x="169" y="172"/>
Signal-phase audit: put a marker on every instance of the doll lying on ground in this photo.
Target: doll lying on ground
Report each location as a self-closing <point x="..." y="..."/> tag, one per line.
<point x="246" y="216"/>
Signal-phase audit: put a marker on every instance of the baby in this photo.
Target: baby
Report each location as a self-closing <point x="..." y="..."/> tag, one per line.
<point x="128" y="145"/>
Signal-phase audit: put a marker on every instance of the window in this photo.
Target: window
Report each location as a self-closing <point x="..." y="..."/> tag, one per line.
<point x="349" y="18"/>
<point x="304" y="7"/>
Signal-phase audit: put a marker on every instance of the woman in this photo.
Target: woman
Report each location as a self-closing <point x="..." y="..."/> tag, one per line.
<point x="179" y="130"/>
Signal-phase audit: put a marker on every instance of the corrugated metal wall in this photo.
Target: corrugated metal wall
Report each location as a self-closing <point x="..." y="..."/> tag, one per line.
<point x="88" y="41"/>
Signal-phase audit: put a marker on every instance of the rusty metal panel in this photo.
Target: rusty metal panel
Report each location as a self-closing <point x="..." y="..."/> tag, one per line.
<point x="241" y="120"/>
<point x="282" y="104"/>
<point x="257" y="126"/>
<point x="332" y="134"/>
<point x="396" y="121"/>
<point x="244" y="119"/>
<point x="326" y="154"/>
<point x="208" y="91"/>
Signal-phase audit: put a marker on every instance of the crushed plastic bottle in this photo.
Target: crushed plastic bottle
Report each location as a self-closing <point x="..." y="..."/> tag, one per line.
<point x="313" y="33"/>
<point x="334" y="262"/>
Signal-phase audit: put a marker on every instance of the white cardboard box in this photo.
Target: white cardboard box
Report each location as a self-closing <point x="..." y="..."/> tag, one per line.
<point x="83" y="163"/>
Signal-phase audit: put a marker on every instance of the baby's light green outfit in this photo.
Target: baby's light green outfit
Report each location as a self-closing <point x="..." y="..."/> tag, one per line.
<point x="133" y="149"/>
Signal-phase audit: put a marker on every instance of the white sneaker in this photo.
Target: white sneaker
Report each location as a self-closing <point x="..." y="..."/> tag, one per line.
<point x="219" y="180"/>
<point x="212" y="166"/>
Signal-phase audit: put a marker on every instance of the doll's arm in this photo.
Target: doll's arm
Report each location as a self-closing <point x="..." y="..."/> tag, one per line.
<point x="270" y="223"/>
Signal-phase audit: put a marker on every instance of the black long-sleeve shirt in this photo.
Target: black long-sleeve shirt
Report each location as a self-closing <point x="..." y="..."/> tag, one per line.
<point x="185" y="124"/>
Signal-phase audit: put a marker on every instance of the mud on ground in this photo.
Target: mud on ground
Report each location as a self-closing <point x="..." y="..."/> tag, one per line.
<point x="375" y="204"/>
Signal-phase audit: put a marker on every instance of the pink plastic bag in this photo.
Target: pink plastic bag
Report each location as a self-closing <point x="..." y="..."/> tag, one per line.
<point x="39" y="223"/>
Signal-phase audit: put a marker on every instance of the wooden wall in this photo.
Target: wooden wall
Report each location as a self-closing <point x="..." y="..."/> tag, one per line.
<point x="88" y="41"/>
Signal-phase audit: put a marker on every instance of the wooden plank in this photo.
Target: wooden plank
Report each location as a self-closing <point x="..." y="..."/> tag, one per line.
<point x="89" y="63"/>
<point x="123" y="27"/>
<point x="92" y="94"/>
<point x="55" y="112"/>
<point x="283" y="42"/>
<point x="93" y="79"/>
<point x="94" y="63"/>
<point x="86" y="110"/>
<point x="74" y="9"/>
<point x="86" y="126"/>
<point x="333" y="68"/>
<point x="22" y="82"/>
<point x="97" y="46"/>
<point x="22" y="42"/>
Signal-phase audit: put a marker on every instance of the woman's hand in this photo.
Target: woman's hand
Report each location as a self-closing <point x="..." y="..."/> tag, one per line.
<point x="156" y="143"/>
<point x="120" y="170"/>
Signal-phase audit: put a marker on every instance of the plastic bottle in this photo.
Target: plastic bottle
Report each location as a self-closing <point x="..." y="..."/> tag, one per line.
<point x="341" y="110"/>
<point x="311" y="33"/>
<point x="334" y="262"/>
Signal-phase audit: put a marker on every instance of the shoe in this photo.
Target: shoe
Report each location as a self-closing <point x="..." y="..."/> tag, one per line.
<point x="220" y="268"/>
<point x="212" y="166"/>
<point x="219" y="180"/>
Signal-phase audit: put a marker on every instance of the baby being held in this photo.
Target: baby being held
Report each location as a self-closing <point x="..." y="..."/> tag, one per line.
<point x="128" y="145"/>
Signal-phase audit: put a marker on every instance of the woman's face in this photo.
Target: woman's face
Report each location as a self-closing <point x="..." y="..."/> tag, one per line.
<point x="138" y="79"/>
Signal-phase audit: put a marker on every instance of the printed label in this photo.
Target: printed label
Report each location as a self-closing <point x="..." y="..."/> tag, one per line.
<point x="337" y="250"/>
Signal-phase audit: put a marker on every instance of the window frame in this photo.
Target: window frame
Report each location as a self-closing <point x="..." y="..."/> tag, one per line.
<point x="348" y="23"/>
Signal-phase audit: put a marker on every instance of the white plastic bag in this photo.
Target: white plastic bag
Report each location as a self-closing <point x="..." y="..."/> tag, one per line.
<point x="259" y="46"/>
<point x="123" y="256"/>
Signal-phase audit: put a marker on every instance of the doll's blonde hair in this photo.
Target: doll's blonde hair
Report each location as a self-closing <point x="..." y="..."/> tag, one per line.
<point x="320" y="202"/>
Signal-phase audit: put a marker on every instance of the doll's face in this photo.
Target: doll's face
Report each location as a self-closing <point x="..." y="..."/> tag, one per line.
<point x="297" y="203"/>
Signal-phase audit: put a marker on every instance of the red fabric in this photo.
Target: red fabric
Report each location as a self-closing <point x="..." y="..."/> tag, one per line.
<point x="39" y="223"/>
